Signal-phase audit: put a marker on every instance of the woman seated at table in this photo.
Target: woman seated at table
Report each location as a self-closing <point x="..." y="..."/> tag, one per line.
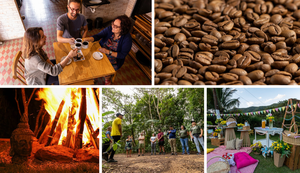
<point x="39" y="70"/>
<point x="115" y="43"/>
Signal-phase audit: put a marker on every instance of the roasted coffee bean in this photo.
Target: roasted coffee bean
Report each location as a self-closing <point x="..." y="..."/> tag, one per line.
<point x="227" y="42"/>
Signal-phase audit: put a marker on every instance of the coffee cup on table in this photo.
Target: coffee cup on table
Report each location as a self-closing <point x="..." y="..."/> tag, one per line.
<point x="85" y="44"/>
<point x="78" y="40"/>
<point x="78" y="45"/>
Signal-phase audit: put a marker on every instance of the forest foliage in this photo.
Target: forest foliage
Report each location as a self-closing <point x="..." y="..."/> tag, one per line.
<point x="149" y="109"/>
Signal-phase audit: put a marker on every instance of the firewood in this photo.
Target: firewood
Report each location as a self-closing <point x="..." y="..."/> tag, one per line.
<point x="41" y="111"/>
<point x="91" y="132"/>
<point x="82" y="117"/>
<point x="54" y="123"/>
<point x="71" y="122"/>
<point x="44" y="136"/>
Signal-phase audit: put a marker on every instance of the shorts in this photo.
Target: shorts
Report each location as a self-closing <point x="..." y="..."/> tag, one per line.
<point x="141" y="145"/>
<point x="161" y="143"/>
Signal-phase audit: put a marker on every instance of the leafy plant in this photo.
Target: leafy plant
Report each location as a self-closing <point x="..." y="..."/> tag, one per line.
<point x="240" y="125"/>
<point x="281" y="147"/>
<point x="223" y="122"/>
<point x="209" y="123"/>
<point x="218" y="130"/>
<point x="256" y="147"/>
<point x="218" y="121"/>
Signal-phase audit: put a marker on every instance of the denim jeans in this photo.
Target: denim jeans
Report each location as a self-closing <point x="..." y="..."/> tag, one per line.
<point x="153" y="148"/>
<point x="198" y="140"/>
<point x="184" y="143"/>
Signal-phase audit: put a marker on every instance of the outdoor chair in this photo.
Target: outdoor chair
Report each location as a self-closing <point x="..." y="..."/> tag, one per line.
<point x="18" y="68"/>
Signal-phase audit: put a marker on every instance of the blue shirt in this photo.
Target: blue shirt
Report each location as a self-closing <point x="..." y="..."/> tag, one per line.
<point x="172" y="134"/>
<point x="124" y="45"/>
<point x="107" y="132"/>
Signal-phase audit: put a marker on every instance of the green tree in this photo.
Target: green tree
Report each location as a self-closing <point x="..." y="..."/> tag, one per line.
<point x="225" y="100"/>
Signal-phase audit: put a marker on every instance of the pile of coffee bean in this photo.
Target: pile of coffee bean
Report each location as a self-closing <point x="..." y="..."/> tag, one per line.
<point x="232" y="42"/>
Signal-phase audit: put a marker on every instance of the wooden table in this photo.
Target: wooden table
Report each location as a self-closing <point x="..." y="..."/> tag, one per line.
<point x="83" y="72"/>
<point x="245" y="137"/>
<point x="229" y="134"/>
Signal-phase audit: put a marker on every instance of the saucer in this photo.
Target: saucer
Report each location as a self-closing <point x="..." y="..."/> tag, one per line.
<point x="97" y="55"/>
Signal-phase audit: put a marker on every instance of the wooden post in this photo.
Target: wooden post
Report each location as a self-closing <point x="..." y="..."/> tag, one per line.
<point x="54" y="123"/>
<point x="82" y="117"/>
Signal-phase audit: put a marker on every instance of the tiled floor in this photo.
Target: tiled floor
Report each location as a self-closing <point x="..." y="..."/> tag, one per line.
<point x="43" y="13"/>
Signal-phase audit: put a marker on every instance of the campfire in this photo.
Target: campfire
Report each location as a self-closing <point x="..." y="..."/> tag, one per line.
<point x="74" y="117"/>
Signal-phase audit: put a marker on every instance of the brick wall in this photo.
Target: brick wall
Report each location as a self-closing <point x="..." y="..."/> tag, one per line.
<point x="11" y="25"/>
<point x="110" y="11"/>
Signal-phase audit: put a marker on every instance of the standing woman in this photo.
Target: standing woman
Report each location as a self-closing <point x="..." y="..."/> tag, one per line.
<point x="153" y="140"/>
<point x="197" y="135"/>
<point x="128" y="145"/>
<point x="115" y="42"/>
<point x="184" y="139"/>
<point x="39" y="70"/>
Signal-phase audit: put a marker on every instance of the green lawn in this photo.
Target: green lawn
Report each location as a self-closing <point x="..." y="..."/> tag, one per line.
<point x="264" y="165"/>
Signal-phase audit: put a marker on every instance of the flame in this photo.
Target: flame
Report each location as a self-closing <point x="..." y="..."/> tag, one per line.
<point x="69" y="117"/>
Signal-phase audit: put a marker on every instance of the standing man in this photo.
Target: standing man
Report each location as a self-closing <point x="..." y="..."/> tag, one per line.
<point x="116" y="134"/>
<point x="69" y="25"/>
<point x="161" y="141"/>
<point x="141" y="144"/>
<point x="106" y="144"/>
<point x="172" y="140"/>
<point x="197" y="135"/>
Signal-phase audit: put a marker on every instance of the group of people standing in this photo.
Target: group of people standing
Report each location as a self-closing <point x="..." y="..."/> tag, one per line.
<point x="114" y="134"/>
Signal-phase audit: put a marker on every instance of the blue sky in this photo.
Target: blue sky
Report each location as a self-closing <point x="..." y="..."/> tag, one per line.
<point x="264" y="96"/>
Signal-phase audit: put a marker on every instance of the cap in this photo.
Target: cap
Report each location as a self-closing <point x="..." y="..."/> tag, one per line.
<point x="118" y="114"/>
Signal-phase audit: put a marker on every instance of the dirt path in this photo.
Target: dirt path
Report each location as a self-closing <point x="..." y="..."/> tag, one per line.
<point x="155" y="164"/>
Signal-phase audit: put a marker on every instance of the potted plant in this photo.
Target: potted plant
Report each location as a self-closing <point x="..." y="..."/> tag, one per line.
<point x="281" y="150"/>
<point x="271" y="120"/>
<point x="218" y="130"/>
<point x="215" y="135"/>
<point x="240" y="126"/>
<point x="223" y="123"/>
<point x="256" y="148"/>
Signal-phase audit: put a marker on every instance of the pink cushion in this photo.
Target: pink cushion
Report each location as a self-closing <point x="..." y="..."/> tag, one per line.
<point x="243" y="159"/>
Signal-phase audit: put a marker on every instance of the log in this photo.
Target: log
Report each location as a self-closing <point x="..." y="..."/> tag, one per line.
<point x="82" y="117"/>
<point x="71" y="122"/>
<point x="41" y="124"/>
<point x="54" y="123"/>
<point x="96" y="99"/>
<point x="41" y="111"/>
<point x="91" y="132"/>
<point x="44" y="136"/>
<point x="56" y="135"/>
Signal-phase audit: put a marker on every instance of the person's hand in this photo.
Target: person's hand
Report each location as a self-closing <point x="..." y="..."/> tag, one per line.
<point x="72" y="53"/>
<point x="200" y="136"/>
<point x="169" y="131"/>
<point x="192" y="137"/>
<point x="71" y="40"/>
<point x="103" y="50"/>
<point x="110" y="141"/>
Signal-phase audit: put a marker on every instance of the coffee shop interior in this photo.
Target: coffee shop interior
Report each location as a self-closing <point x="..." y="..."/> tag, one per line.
<point x="17" y="15"/>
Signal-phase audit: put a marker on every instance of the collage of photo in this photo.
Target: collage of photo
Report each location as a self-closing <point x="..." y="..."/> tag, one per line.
<point x="149" y="86"/>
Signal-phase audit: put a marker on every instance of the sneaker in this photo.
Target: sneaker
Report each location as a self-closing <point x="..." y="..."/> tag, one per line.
<point x="159" y="153"/>
<point x="138" y="155"/>
<point x="164" y="153"/>
<point x="182" y="153"/>
<point x="175" y="153"/>
<point x="198" y="153"/>
<point x="188" y="153"/>
<point x="142" y="154"/>
<point x="172" y="154"/>
<point x="154" y="153"/>
<point x="105" y="156"/>
<point x="111" y="161"/>
<point x="151" y="153"/>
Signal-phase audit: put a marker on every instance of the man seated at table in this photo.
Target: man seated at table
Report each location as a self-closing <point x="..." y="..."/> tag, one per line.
<point x="69" y="25"/>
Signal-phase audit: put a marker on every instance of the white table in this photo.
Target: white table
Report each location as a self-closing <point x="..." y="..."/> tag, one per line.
<point x="267" y="131"/>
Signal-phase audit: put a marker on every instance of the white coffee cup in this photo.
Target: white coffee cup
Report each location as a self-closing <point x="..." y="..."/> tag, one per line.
<point x="78" y="40"/>
<point x="85" y="44"/>
<point x="78" y="45"/>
